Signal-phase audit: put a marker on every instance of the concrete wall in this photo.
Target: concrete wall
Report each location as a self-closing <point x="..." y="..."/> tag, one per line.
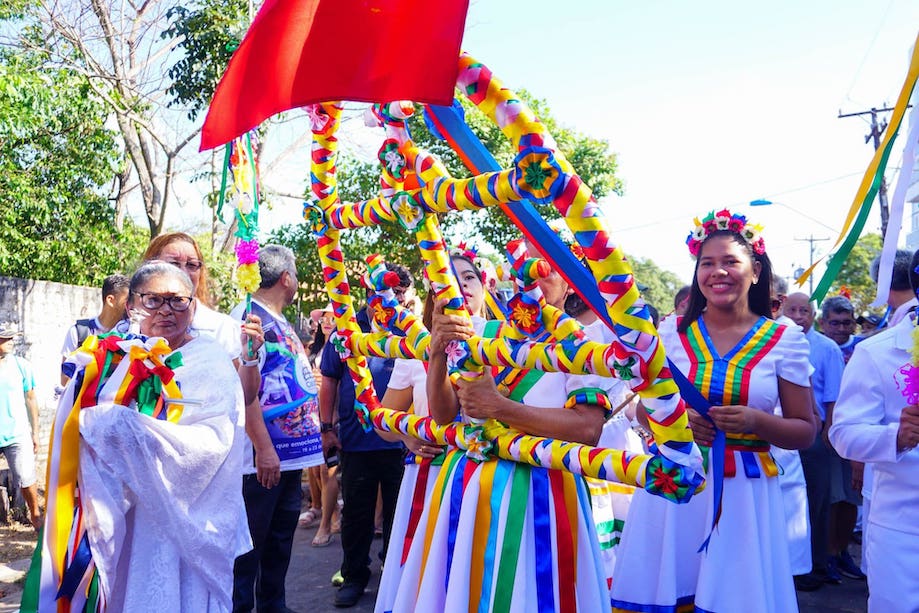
<point x="44" y="311"/>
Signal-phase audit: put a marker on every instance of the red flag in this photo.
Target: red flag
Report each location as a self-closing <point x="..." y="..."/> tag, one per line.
<point x="299" y="52"/>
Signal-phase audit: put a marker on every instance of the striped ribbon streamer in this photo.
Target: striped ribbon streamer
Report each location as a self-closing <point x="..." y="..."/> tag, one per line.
<point x="871" y="183"/>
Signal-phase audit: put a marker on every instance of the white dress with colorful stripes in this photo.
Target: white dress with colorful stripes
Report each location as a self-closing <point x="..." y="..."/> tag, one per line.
<point x="609" y="500"/>
<point x="500" y="536"/>
<point x="746" y="566"/>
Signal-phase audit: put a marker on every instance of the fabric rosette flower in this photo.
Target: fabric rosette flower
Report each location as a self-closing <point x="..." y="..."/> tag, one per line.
<point x="537" y="175"/>
<point x="407" y="210"/>
<point x="479" y="447"/>
<point x="457" y="354"/>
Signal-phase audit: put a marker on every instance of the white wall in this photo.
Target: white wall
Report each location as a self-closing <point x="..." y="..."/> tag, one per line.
<point x="44" y="311"/>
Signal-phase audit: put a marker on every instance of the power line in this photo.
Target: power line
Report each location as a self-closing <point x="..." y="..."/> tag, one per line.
<point x="810" y="278"/>
<point x="875" y="135"/>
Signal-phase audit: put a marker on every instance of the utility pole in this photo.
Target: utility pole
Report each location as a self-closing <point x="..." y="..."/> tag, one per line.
<point x="810" y="279"/>
<point x="876" y="130"/>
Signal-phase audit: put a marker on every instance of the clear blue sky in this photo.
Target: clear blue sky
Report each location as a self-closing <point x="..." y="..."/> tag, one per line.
<point x="708" y="104"/>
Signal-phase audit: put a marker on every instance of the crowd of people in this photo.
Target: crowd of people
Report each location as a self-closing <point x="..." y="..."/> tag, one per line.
<point x="199" y="512"/>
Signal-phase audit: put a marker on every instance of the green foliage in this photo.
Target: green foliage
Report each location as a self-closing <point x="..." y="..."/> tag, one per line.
<point x="56" y="158"/>
<point x="662" y="285"/>
<point x="855" y="273"/>
<point x="211" y="34"/>
<point x="356" y="179"/>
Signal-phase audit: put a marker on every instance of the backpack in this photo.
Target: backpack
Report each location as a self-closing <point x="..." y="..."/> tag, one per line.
<point x="85" y="329"/>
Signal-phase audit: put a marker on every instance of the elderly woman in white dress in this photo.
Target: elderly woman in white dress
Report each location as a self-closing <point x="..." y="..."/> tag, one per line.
<point x="145" y="512"/>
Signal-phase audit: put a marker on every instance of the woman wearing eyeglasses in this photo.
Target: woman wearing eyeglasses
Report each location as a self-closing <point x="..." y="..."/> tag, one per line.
<point x="181" y="250"/>
<point x="159" y="504"/>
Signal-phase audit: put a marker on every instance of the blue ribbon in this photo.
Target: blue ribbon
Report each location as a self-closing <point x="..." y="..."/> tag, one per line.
<point x="503" y="471"/>
<point x="449" y="121"/>
<point x="456" y="503"/>
<point x="75" y="571"/>
<point x="542" y="534"/>
<point x="697" y="401"/>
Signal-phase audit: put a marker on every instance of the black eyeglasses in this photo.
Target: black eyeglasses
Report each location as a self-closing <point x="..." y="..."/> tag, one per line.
<point x="840" y="323"/>
<point x="776" y="304"/>
<point x="192" y="265"/>
<point x="155" y="301"/>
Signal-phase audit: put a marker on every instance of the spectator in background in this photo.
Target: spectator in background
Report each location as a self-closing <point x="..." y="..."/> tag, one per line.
<point x="369" y="464"/>
<point x="114" y="297"/>
<point x="819" y="461"/>
<point x="19" y="420"/>
<point x="900" y="298"/>
<point x="868" y="324"/>
<point x="326" y="500"/>
<point x="681" y="300"/>
<point x="837" y="322"/>
<point x="285" y="436"/>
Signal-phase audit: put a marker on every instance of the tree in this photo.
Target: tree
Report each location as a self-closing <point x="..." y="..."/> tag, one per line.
<point x="115" y="48"/>
<point x="209" y="35"/>
<point x="855" y="273"/>
<point x="661" y="285"/>
<point x="56" y="158"/>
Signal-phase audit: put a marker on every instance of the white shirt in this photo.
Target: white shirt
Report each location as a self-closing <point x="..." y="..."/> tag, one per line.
<point x="222" y="328"/>
<point x="866" y="420"/>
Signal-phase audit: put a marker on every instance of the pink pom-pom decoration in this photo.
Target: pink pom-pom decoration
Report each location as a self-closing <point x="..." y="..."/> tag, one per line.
<point x="247" y="252"/>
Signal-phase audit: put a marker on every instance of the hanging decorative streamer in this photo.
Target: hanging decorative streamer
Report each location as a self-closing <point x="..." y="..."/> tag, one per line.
<point x="871" y="183"/>
<point x="243" y="165"/>
<point x="888" y="253"/>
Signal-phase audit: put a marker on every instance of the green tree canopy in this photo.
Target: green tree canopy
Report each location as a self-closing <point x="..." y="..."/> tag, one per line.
<point x="855" y="273"/>
<point x="56" y="158"/>
<point x="660" y="285"/>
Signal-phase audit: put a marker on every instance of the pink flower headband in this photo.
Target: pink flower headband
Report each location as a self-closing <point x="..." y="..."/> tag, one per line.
<point x="725" y="220"/>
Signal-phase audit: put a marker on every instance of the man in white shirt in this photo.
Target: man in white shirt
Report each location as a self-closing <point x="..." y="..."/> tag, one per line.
<point x="877" y="420"/>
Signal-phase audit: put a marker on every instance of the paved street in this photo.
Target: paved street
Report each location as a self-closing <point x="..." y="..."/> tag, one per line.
<point x="309" y="589"/>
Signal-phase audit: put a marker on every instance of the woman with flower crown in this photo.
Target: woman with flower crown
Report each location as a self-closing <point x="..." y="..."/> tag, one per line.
<point x="743" y="363"/>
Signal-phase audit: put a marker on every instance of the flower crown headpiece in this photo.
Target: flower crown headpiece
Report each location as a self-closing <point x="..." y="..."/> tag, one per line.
<point x="471" y="253"/>
<point x="462" y="249"/>
<point x="725" y="220"/>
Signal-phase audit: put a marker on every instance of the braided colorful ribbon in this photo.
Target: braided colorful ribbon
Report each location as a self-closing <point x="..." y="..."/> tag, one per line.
<point x="540" y="174"/>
